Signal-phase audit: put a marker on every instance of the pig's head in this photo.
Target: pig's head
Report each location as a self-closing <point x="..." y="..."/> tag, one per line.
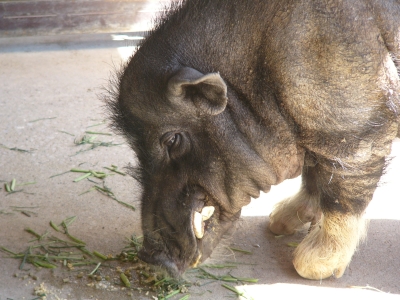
<point x="196" y="168"/>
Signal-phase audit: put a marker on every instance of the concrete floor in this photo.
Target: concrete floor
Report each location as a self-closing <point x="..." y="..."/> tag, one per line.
<point x="58" y="82"/>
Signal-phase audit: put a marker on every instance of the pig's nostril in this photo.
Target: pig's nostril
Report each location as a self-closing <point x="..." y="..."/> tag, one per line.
<point x="161" y="260"/>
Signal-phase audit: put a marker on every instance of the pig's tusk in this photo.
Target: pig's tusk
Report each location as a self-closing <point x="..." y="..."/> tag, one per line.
<point x="207" y="212"/>
<point x="198" y="225"/>
<point x="199" y="218"/>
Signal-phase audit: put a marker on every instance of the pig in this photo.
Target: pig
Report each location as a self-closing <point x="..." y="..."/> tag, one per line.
<point x="225" y="98"/>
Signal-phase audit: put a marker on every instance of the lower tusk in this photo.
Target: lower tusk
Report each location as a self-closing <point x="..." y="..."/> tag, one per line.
<point x="198" y="225"/>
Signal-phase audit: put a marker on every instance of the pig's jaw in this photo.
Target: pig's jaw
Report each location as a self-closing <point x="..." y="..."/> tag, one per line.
<point x="209" y="224"/>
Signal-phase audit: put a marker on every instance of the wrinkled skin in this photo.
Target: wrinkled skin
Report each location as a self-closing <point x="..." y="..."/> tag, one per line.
<point x="225" y="98"/>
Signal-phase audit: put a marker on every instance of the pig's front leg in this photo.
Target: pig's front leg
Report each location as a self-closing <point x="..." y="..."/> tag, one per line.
<point x="301" y="209"/>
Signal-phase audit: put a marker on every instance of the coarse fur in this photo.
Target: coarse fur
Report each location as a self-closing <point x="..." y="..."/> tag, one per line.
<point x="226" y="98"/>
<point x="328" y="248"/>
<point x="294" y="213"/>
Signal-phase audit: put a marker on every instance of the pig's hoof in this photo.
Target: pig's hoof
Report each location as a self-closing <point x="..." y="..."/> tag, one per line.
<point x="327" y="250"/>
<point x="293" y="213"/>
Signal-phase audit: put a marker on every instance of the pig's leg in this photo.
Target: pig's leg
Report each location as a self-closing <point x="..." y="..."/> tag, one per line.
<point x="293" y="213"/>
<point x="328" y="248"/>
<point x="344" y="195"/>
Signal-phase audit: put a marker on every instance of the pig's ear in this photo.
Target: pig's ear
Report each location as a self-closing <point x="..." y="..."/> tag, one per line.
<point x="207" y="92"/>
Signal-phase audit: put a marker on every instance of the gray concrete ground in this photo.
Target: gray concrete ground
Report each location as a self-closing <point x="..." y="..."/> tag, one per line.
<point x="48" y="99"/>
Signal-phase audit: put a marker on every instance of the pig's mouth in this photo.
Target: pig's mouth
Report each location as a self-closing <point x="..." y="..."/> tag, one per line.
<point x="205" y="214"/>
<point x="201" y="220"/>
<point x="208" y="225"/>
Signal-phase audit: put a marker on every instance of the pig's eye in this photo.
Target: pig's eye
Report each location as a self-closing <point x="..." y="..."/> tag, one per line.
<point x="175" y="139"/>
<point x="171" y="140"/>
<point x="175" y="143"/>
